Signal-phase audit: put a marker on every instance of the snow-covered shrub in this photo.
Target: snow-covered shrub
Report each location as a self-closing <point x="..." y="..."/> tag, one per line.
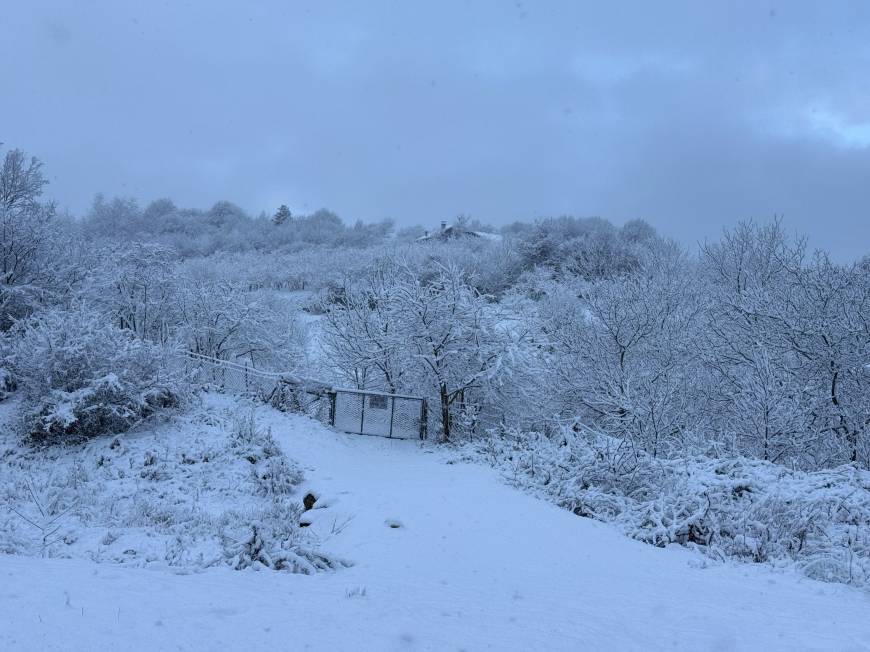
<point x="251" y="442"/>
<point x="270" y="538"/>
<point x="7" y="382"/>
<point x="591" y="248"/>
<point x="287" y="398"/>
<point x="737" y="508"/>
<point x="276" y="476"/>
<point x="272" y="472"/>
<point x="186" y="496"/>
<point x="43" y="508"/>
<point x="82" y="377"/>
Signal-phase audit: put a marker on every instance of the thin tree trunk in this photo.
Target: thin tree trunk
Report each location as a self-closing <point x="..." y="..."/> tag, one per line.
<point x="445" y="411"/>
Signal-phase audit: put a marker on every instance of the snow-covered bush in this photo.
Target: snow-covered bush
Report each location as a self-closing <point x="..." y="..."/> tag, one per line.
<point x="590" y="248"/>
<point x="270" y="538"/>
<point x="738" y="508"/>
<point x="82" y="377"/>
<point x="203" y="489"/>
<point x="273" y="474"/>
<point x="7" y="382"/>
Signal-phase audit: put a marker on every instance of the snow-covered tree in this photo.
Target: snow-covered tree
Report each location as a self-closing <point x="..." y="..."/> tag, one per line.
<point x="788" y="345"/>
<point x="420" y="331"/>
<point x="25" y="235"/>
<point x="137" y="287"/>
<point x="361" y="334"/>
<point x="224" y="321"/>
<point x="115" y="218"/>
<point x="625" y="354"/>
<point x="282" y="215"/>
<point x="454" y="338"/>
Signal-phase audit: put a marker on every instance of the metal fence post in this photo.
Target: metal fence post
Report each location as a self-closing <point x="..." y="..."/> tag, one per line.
<point x="424" y="418"/>
<point x="332" y="399"/>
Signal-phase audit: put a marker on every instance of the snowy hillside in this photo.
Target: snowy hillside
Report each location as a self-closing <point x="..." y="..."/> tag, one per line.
<point x="209" y="488"/>
<point x="444" y="556"/>
<point x="434" y="326"/>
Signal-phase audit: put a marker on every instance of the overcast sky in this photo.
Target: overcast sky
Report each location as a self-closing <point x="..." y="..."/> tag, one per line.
<point x="689" y="115"/>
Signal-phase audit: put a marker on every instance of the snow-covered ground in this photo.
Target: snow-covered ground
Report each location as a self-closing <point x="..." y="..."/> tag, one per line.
<point x="445" y="557"/>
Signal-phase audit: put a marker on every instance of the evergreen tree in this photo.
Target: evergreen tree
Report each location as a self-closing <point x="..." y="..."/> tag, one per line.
<point x="281" y="215"/>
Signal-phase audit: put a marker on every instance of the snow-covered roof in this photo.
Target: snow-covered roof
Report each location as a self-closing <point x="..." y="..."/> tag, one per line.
<point x="495" y="237"/>
<point x="456" y="231"/>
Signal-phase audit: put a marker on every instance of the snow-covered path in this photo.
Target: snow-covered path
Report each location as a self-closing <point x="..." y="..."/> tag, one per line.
<point x="474" y="565"/>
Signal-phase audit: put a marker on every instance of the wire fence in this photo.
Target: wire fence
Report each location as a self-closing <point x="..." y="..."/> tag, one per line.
<point x="355" y="411"/>
<point x="230" y="377"/>
<point x="374" y="413"/>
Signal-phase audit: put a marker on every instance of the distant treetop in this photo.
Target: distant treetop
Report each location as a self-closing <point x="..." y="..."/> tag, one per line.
<point x="281" y="215"/>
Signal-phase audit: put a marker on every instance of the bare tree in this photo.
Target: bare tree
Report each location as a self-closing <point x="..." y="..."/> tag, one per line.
<point x="626" y="355"/>
<point x="428" y="332"/>
<point x="453" y="336"/>
<point x="361" y="333"/>
<point x="788" y="342"/>
<point x="21" y="181"/>
<point x="24" y="234"/>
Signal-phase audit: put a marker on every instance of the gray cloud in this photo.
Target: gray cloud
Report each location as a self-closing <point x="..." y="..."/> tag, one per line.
<point x="686" y="114"/>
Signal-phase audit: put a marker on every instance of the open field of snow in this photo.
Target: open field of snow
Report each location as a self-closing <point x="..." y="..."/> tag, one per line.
<point x="445" y="557"/>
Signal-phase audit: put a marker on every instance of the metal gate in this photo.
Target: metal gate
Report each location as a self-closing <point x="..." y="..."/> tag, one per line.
<point x="375" y="413"/>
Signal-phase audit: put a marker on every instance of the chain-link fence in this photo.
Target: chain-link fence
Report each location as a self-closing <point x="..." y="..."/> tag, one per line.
<point x="230" y="377"/>
<point x="375" y="413"/>
<point x="355" y="411"/>
<point x="283" y="391"/>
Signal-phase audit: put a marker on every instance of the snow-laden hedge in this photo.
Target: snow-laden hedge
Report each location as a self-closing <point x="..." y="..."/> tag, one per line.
<point x="82" y="377"/>
<point x="739" y="508"/>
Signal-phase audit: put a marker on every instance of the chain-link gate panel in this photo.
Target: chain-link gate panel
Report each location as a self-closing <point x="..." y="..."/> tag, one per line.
<point x="408" y="418"/>
<point x="348" y="412"/>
